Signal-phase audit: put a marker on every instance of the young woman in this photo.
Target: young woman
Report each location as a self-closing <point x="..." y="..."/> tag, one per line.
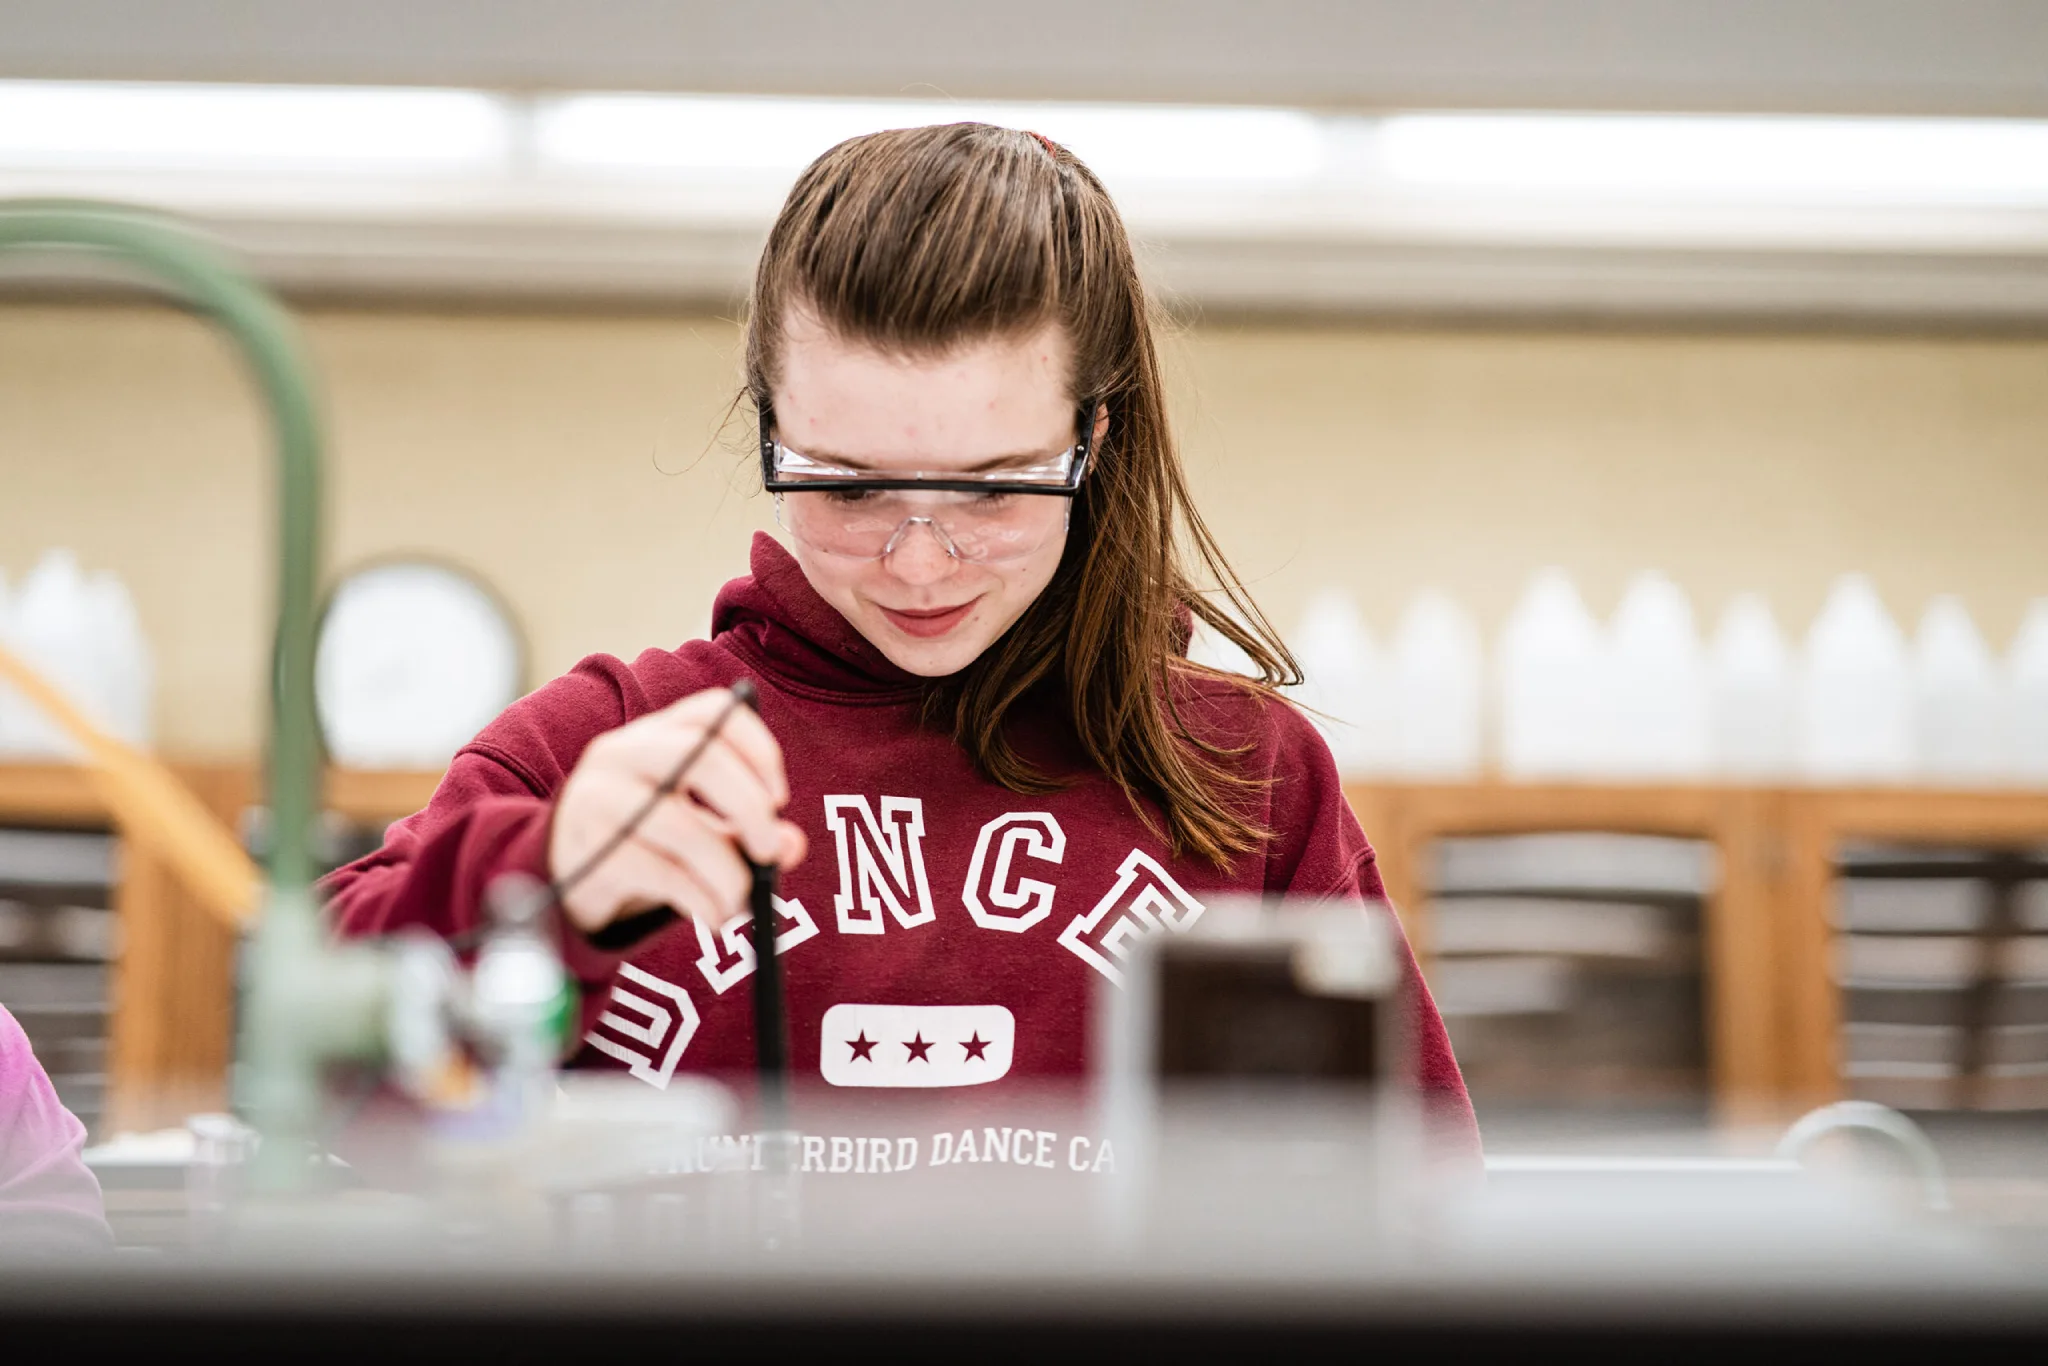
<point x="981" y="757"/>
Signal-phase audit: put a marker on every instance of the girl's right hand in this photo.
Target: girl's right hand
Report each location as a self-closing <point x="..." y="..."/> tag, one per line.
<point x="691" y="851"/>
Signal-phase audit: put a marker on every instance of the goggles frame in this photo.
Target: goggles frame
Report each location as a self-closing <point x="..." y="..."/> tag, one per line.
<point x="933" y="481"/>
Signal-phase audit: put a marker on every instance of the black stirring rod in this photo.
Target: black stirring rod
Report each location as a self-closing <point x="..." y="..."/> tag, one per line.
<point x="771" y="1029"/>
<point x="775" y="1211"/>
<point x="771" y="1034"/>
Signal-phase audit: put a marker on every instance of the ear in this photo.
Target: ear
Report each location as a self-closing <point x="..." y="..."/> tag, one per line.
<point x="1095" y="440"/>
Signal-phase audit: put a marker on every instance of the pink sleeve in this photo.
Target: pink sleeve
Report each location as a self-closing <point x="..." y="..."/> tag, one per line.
<point x="49" y="1199"/>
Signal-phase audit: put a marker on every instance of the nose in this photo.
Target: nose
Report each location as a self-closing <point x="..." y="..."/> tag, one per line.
<point x="919" y="553"/>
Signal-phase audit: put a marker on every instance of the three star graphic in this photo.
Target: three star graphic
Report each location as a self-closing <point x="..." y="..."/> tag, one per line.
<point x="863" y="1047"/>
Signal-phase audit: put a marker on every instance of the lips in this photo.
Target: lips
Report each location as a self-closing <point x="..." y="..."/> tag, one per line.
<point x="928" y="623"/>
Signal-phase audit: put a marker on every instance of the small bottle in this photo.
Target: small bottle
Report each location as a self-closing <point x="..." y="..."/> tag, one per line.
<point x="1343" y="682"/>
<point x="127" y="673"/>
<point x="1959" y="699"/>
<point x="13" y="706"/>
<point x="1436" y="690"/>
<point x="2026" y="671"/>
<point x="1554" y="684"/>
<point x="1660" y="714"/>
<point x="1856" y="691"/>
<point x="521" y="1000"/>
<point x="1752" y="692"/>
<point x="53" y="635"/>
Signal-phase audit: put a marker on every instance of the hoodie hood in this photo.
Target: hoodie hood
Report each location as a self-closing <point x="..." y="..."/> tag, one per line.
<point x="777" y="621"/>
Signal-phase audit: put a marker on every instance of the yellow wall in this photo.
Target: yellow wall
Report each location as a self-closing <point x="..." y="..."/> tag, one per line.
<point x="573" y="460"/>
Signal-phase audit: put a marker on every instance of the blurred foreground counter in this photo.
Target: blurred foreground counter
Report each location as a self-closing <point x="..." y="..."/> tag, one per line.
<point x="1247" y="1218"/>
<point x="558" y="1314"/>
<point x="1296" y="1249"/>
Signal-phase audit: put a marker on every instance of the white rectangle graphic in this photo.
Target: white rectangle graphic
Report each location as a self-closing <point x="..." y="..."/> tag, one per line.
<point x="877" y="1045"/>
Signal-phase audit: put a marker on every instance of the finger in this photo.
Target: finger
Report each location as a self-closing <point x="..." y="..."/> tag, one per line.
<point x="652" y="753"/>
<point x="650" y="877"/>
<point x="748" y="735"/>
<point x="636" y="877"/>
<point x="696" y="841"/>
<point x="734" y="806"/>
<point x="792" y="848"/>
<point x="730" y="788"/>
<point x="795" y="845"/>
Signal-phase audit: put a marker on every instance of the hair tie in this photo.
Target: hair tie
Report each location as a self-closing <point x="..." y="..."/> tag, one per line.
<point x="1052" y="148"/>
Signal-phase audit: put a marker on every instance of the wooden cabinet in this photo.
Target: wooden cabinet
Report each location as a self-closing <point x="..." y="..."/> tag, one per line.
<point x="1774" y="1011"/>
<point x="1741" y="926"/>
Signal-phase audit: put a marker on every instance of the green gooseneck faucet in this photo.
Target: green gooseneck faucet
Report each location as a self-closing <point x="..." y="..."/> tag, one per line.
<point x="302" y="1001"/>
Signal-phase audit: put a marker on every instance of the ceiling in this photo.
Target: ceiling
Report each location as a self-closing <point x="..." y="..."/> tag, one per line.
<point x="1896" y="57"/>
<point x="1979" y="57"/>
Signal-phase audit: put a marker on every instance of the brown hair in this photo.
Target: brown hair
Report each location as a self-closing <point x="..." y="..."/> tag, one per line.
<point x="921" y="239"/>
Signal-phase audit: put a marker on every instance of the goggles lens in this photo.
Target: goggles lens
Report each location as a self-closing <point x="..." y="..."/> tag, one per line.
<point x="868" y="524"/>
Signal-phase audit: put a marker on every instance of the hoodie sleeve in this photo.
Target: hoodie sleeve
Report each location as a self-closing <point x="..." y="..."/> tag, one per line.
<point x="491" y="815"/>
<point x="1319" y="850"/>
<point x="49" y="1199"/>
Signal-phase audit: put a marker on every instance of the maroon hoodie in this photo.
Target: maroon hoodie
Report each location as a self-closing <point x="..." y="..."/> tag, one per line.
<point x="944" y="931"/>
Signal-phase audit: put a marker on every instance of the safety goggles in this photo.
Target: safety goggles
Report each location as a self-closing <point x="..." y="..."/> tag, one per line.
<point x="977" y="515"/>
